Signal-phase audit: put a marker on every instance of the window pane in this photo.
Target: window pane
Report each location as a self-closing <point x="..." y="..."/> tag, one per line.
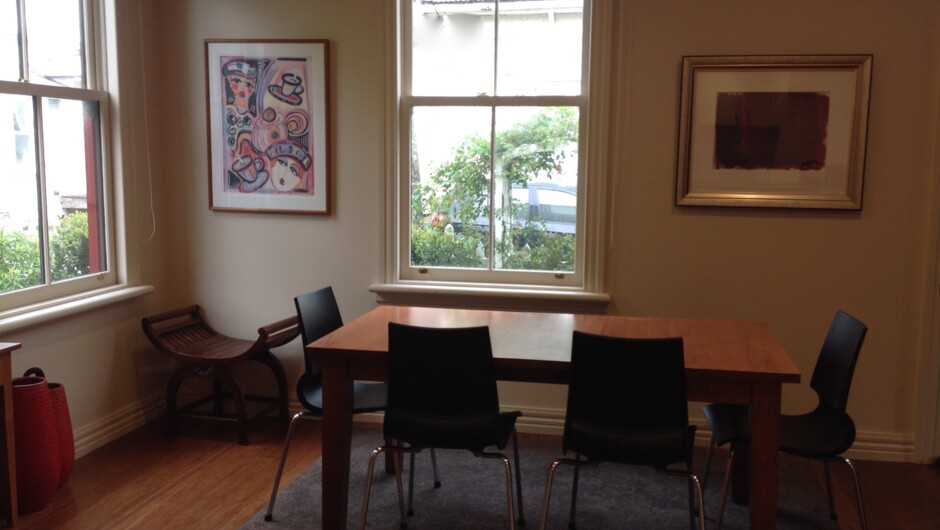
<point x="71" y="182"/>
<point x="9" y="42"/>
<point x="55" y="43"/>
<point x="535" y="188"/>
<point x="539" y="48"/>
<point x="20" y="254"/>
<point x="450" y="186"/>
<point x="452" y="48"/>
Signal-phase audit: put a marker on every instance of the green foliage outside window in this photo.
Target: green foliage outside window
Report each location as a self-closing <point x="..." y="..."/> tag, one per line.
<point x="19" y="261"/>
<point x="457" y="193"/>
<point x="69" y="247"/>
<point x="19" y="254"/>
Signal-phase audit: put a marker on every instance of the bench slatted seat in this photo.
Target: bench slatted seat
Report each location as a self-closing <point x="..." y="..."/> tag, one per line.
<point x="183" y="334"/>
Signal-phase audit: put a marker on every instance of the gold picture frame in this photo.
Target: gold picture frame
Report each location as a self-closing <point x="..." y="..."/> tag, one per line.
<point x="773" y="131"/>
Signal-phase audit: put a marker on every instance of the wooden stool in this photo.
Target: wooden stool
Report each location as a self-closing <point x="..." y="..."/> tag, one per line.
<point x="184" y="335"/>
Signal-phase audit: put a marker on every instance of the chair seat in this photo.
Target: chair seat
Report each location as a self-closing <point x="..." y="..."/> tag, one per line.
<point x="367" y="397"/>
<point x="824" y="433"/>
<point x="598" y="442"/>
<point x="729" y="423"/>
<point x="474" y="432"/>
<point x="821" y="433"/>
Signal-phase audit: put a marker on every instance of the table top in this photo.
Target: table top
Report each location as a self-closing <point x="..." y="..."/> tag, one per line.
<point x="729" y="348"/>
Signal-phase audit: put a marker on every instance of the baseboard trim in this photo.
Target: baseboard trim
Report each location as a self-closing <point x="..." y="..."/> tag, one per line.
<point x="886" y="447"/>
<point x="118" y="423"/>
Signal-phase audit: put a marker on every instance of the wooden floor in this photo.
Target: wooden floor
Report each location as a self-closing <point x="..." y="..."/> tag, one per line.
<point x="202" y="479"/>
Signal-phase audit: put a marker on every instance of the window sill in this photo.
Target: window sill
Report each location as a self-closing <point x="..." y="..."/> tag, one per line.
<point x="55" y="309"/>
<point x="491" y="296"/>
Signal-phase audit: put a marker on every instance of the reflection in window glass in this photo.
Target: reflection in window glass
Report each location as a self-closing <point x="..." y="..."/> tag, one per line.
<point x="71" y="173"/>
<point x="9" y="42"/>
<point x="20" y="247"/>
<point x="452" y="50"/>
<point x="552" y="28"/>
<point x="56" y="44"/>
<point x="450" y="187"/>
<point x="536" y="150"/>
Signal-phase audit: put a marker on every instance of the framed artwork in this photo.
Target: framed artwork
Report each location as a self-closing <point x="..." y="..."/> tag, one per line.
<point x="267" y="104"/>
<point x="773" y="131"/>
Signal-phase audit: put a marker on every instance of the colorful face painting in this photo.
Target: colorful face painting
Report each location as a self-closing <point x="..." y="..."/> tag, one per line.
<point x="266" y="115"/>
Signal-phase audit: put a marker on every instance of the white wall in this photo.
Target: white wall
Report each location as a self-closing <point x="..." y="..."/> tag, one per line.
<point x="790" y="268"/>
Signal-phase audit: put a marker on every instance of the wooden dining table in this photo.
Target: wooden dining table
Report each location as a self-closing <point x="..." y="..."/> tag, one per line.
<point x="726" y="361"/>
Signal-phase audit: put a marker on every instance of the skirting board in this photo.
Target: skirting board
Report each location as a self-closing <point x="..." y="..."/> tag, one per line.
<point x="118" y="423"/>
<point x="885" y="447"/>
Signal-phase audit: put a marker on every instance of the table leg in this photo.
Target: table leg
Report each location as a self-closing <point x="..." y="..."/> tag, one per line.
<point x="7" y="452"/>
<point x="337" y="434"/>
<point x="763" y="454"/>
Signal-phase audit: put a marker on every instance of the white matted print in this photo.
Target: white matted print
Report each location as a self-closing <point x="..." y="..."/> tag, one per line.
<point x="267" y="105"/>
<point x="773" y="131"/>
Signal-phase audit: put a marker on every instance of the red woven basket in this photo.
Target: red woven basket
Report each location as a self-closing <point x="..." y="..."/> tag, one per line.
<point x="63" y="424"/>
<point x="38" y="466"/>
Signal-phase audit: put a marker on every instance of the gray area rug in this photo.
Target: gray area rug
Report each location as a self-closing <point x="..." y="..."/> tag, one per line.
<point x="473" y="494"/>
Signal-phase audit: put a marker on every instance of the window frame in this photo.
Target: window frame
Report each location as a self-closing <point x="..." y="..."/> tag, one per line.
<point x="29" y="305"/>
<point x="584" y="289"/>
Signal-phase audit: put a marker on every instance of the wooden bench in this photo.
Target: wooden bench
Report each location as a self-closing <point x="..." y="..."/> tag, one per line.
<point x="184" y="335"/>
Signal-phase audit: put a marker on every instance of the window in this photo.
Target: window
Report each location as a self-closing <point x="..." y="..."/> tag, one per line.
<point x="493" y="106"/>
<point x="54" y="221"/>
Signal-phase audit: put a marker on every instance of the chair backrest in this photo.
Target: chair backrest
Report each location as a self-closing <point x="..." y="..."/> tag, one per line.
<point x="441" y="370"/>
<point x="627" y="384"/>
<point x="832" y="376"/>
<point x="319" y="315"/>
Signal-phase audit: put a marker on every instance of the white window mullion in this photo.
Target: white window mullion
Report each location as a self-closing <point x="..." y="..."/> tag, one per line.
<point x="24" y="55"/>
<point x="44" y="233"/>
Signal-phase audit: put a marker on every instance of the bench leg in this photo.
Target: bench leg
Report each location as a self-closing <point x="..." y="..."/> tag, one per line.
<point x="172" y="390"/>
<point x="268" y="359"/>
<point x="223" y="375"/>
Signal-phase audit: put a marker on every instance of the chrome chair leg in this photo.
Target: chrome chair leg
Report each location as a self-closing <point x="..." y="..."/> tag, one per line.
<point x="828" y="474"/>
<point x="437" y="481"/>
<point x="411" y="479"/>
<point x="574" y="492"/>
<point x="724" y="488"/>
<point x="548" y="492"/>
<point x="508" y="468"/>
<point x="515" y="454"/>
<point x="401" y="497"/>
<point x="268" y="516"/>
<point x="708" y="462"/>
<point x="696" y="495"/>
<point x="858" y="494"/>
<point x="701" y="502"/>
<point x="411" y="485"/>
<point x="365" y="496"/>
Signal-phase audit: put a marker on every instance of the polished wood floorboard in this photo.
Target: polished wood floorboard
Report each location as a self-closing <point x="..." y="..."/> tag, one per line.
<point x="202" y="479"/>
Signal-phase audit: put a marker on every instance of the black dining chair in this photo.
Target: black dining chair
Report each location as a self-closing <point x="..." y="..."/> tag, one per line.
<point x="627" y="404"/>
<point x="319" y="315"/>
<point x="442" y="393"/>
<point x="823" y="434"/>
